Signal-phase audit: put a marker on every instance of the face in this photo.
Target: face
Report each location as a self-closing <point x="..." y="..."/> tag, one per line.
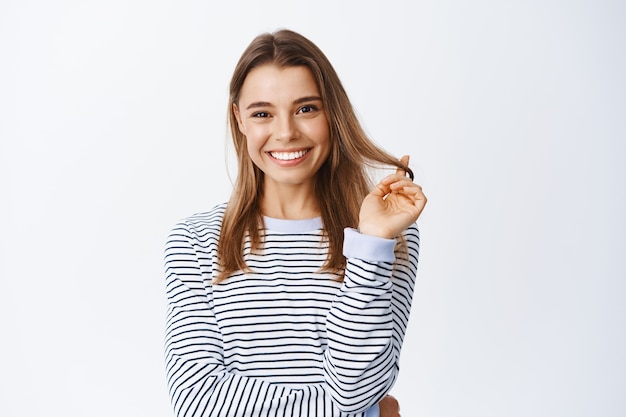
<point x="281" y="114"/>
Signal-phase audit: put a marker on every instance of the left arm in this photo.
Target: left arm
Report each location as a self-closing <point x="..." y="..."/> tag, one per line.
<point x="367" y="321"/>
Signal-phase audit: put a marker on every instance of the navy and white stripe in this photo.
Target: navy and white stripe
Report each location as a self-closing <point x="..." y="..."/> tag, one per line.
<point x="284" y="339"/>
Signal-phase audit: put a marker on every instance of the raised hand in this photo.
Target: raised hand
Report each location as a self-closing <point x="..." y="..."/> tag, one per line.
<point x="392" y="206"/>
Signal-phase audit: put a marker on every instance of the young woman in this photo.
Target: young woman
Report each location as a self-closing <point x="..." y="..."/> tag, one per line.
<point x="293" y="298"/>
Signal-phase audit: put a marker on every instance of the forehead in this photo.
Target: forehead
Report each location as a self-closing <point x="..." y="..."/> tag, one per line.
<point x="275" y="84"/>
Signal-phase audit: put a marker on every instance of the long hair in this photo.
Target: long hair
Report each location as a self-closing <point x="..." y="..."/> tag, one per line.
<point x="341" y="183"/>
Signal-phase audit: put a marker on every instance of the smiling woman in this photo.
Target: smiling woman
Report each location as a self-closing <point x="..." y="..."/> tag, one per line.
<point x="287" y="134"/>
<point x="277" y="304"/>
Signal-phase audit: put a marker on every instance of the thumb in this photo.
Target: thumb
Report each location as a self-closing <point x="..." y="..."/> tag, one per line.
<point x="404" y="161"/>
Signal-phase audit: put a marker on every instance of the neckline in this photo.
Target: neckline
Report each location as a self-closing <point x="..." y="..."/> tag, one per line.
<point x="292" y="226"/>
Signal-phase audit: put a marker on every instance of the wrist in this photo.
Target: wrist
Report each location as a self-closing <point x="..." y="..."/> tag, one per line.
<point x="367" y="247"/>
<point x="375" y="231"/>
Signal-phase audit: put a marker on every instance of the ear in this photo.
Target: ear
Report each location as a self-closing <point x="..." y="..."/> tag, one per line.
<point x="238" y="117"/>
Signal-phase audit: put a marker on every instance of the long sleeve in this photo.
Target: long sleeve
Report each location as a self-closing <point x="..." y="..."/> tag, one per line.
<point x="256" y="345"/>
<point x="198" y="381"/>
<point x="367" y="321"/>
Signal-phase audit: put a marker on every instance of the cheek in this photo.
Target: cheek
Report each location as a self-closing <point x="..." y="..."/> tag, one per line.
<point x="252" y="138"/>
<point x="254" y="144"/>
<point x="251" y="146"/>
<point x="320" y="131"/>
<point x="323" y="134"/>
<point x="252" y="154"/>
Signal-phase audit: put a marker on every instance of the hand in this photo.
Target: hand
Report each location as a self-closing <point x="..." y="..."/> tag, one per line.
<point x="392" y="206"/>
<point x="389" y="407"/>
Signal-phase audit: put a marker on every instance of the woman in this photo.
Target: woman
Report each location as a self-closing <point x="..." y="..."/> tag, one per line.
<point x="293" y="298"/>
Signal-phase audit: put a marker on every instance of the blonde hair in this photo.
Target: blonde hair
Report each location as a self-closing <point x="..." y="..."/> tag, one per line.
<point x="342" y="182"/>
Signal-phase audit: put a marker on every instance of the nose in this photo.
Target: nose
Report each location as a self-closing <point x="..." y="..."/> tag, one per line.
<point x="286" y="128"/>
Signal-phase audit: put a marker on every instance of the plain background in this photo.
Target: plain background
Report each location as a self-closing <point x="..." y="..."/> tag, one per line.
<point x="112" y="125"/>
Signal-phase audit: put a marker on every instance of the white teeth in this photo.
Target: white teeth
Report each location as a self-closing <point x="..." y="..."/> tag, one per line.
<point x="288" y="156"/>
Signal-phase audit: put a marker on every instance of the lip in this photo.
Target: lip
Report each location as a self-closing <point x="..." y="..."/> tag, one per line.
<point x="288" y="162"/>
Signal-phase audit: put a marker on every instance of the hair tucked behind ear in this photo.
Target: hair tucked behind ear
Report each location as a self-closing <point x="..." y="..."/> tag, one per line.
<point x="342" y="182"/>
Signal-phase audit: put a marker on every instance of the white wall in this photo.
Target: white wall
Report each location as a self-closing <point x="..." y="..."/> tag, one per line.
<point x="112" y="127"/>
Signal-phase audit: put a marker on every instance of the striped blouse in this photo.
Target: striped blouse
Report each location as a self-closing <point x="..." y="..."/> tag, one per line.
<point x="285" y="339"/>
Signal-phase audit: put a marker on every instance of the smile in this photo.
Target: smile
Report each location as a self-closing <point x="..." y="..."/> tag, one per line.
<point x="289" y="156"/>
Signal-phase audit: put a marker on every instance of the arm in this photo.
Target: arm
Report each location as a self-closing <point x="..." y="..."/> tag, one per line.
<point x="198" y="381"/>
<point x="367" y="322"/>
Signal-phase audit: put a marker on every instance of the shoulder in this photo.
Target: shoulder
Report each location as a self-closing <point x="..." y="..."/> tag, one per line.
<point x="202" y="226"/>
<point x="206" y="219"/>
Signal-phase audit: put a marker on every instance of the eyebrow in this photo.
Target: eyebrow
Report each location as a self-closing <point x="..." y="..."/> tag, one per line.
<point x="301" y="100"/>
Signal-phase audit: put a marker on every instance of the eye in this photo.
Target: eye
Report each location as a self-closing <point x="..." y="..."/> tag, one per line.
<point x="307" y="109"/>
<point x="261" y="114"/>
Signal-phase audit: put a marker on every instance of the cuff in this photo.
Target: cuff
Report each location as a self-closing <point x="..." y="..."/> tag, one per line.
<point x="367" y="248"/>
<point x="373" y="411"/>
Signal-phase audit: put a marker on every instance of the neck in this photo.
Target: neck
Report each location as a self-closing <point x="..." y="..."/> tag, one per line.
<point x="289" y="202"/>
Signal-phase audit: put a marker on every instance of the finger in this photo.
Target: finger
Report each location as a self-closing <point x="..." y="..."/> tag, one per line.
<point x="406" y="187"/>
<point x="392" y="178"/>
<point x="381" y="189"/>
<point x="416" y="195"/>
<point x="402" y="182"/>
<point x="411" y="191"/>
<point x="404" y="161"/>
